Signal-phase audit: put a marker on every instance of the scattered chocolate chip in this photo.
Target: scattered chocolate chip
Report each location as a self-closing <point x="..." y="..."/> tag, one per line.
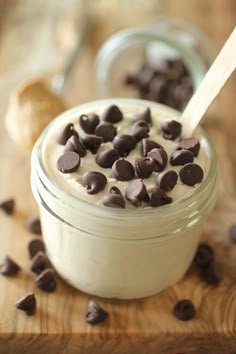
<point x="66" y="133"/>
<point x="122" y="170"/>
<point x="114" y="199"/>
<point x="27" y="304"/>
<point x="94" y="182"/>
<point x="89" y="122"/>
<point x="75" y="145"/>
<point x="204" y="255"/>
<point x="191" y="173"/>
<point x="40" y="262"/>
<point x="34" y="246"/>
<point x="34" y="225"/>
<point x="106" y="158"/>
<point x="92" y="143"/>
<point x="136" y="192"/>
<point x="95" y="314"/>
<point x="112" y="114"/>
<point x="46" y="281"/>
<point x="8" y="206"/>
<point x="106" y="130"/>
<point x="158" y="197"/>
<point x="184" y="310"/>
<point x="68" y="162"/>
<point x="9" y="267"/>
<point x="191" y="144"/>
<point x="160" y="157"/>
<point x="124" y="143"/>
<point x="148" y="145"/>
<point x="212" y="273"/>
<point x="181" y="157"/>
<point x="167" y="180"/>
<point x="144" y="166"/>
<point x="146" y="116"/>
<point x="232" y="233"/>
<point x="171" y="129"/>
<point x="139" y="129"/>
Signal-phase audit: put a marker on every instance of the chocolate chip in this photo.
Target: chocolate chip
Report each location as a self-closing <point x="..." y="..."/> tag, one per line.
<point x="136" y="192"/>
<point x="68" y="162"/>
<point x="232" y="233"/>
<point x="191" y="173"/>
<point x="94" y="182"/>
<point x="34" y="246"/>
<point x="124" y="143"/>
<point x="106" y="130"/>
<point x="171" y="129"/>
<point x="181" y="157"/>
<point x="27" y="304"/>
<point x="191" y="144"/>
<point x="160" y="157"/>
<point x="9" y="267"/>
<point x="167" y="180"/>
<point x="95" y="314"/>
<point x="114" y="199"/>
<point x="89" y="122"/>
<point x="40" y="262"/>
<point x="92" y="143"/>
<point x="139" y="129"/>
<point x="34" y="225"/>
<point x="159" y="197"/>
<point x="112" y="114"/>
<point x="212" y="273"/>
<point x="146" y="116"/>
<point x="46" y="281"/>
<point x="75" y="145"/>
<point x="204" y="255"/>
<point x="66" y="133"/>
<point x="8" y="206"/>
<point x="144" y="166"/>
<point x="106" y="158"/>
<point x="184" y="310"/>
<point x="122" y="170"/>
<point x="148" y="145"/>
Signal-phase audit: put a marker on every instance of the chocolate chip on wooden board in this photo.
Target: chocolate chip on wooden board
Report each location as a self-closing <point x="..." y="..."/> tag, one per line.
<point x="9" y="266"/>
<point x="184" y="310"/>
<point x="89" y="122"/>
<point x="191" y="144"/>
<point x="34" y="246"/>
<point x="46" y="280"/>
<point x="232" y="233"/>
<point x="114" y="199"/>
<point x="122" y="170"/>
<point x="204" y="255"/>
<point x="191" y="174"/>
<point x="212" y="273"/>
<point x="106" y="158"/>
<point x="181" y="157"/>
<point x="69" y="162"/>
<point x="136" y="192"/>
<point x="95" y="314"/>
<point x="8" y="206"/>
<point x="124" y="143"/>
<point x="159" y="197"/>
<point x="147" y="145"/>
<point x="167" y="180"/>
<point x="160" y="157"/>
<point x="112" y="114"/>
<point x="92" y="143"/>
<point x="40" y="262"/>
<point x="27" y="304"/>
<point x="75" y="145"/>
<point x="94" y="182"/>
<point x="106" y="131"/>
<point x="34" y="225"/>
<point x="171" y="129"/>
<point x="144" y="166"/>
<point x="66" y="133"/>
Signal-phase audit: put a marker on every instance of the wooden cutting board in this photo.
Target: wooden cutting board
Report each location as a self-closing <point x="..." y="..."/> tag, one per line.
<point x="139" y="327"/>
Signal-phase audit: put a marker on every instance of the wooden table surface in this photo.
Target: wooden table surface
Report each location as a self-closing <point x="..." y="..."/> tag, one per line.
<point x="140" y="327"/>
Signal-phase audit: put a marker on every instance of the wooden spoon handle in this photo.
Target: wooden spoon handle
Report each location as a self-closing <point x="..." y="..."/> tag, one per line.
<point x="214" y="80"/>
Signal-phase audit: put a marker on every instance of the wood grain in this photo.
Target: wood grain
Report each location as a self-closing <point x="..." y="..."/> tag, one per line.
<point x="147" y="326"/>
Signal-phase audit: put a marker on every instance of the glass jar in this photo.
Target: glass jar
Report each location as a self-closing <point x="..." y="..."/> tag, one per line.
<point x="168" y="38"/>
<point x="120" y="253"/>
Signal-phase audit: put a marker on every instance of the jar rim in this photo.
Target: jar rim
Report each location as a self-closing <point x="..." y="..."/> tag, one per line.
<point x="173" y="208"/>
